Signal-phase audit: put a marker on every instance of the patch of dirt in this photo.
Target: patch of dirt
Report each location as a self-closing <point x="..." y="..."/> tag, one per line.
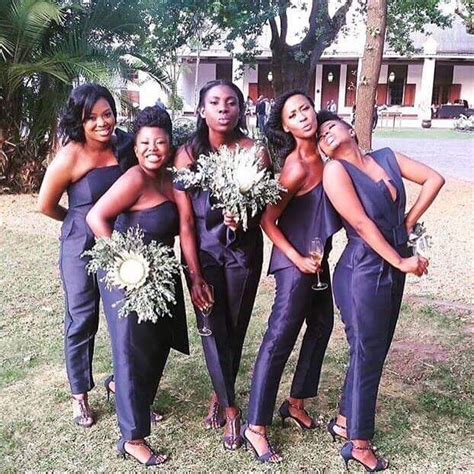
<point x="411" y="360"/>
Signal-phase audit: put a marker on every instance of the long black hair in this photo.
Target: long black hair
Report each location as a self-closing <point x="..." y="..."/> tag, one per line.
<point x="78" y="108"/>
<point x="199" y="142"/>
<point x="280" y="142"/>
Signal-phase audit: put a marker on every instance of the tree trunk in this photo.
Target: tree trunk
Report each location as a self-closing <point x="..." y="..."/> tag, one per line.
<point x="291" y="73"/>
<point x="369" y="77"/>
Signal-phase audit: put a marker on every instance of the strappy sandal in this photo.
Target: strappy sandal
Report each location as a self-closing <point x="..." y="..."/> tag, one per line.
<point x="215" y="419"/>
<point x="85" y="419"/>
<point x="234" y="440"/>
<point x="346" y="453"/>
<point x="335" y="435"/>
<point x="154" y="459"/>
<point x="285" y="414"/>
<point x="265" y="457"/>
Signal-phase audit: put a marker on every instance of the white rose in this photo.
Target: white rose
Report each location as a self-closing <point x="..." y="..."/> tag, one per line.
<point x="247" y="176"/>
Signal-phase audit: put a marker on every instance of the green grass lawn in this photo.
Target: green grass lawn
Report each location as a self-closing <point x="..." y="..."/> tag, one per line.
<point x="424" y="414"/>
<point x="428" y="133"/>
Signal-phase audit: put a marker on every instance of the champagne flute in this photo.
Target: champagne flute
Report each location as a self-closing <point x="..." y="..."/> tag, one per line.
<point x="205" y="331"/>
<point x="316" y="252"/>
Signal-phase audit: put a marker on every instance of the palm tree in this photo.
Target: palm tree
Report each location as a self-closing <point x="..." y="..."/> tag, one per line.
<point x="47" y="47"/>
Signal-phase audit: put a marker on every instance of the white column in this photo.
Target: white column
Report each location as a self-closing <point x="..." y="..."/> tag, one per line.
<point x="341" y="103"/>
<point x="318" y="83"/>
<point x="238" y="77"/>
<point x="426" y="89"/>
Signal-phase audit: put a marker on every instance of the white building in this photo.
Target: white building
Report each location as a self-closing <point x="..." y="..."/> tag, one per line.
<point x="441" y="74"/>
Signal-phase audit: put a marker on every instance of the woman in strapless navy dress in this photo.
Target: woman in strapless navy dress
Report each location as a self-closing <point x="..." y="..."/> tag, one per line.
<point x="89" y="162"/>
<point x="368" y="192"/>
<point x="303" y="213"/>
<point x="231" y="258"/>
<point x="144" y="196"/>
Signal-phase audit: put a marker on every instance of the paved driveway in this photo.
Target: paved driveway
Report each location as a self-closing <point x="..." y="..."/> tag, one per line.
<point x="450" y="157"/>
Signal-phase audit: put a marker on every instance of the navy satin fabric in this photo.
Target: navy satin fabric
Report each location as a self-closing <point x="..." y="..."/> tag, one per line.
<point x="81" y="290"/>
<point x="368" y="291"/>
<point x="308" y="216"/>
<point x="232" y="263"/>
<point x="140" y="350"/>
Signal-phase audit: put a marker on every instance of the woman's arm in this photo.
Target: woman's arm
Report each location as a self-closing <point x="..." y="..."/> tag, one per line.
<point x="431" y="182"/>
<point x="200" y="294"/>
<point x="121" y="196"/>
<point x="57" y="178"/>
<point x="340" y="190"/>
<point x="292" y="179"/>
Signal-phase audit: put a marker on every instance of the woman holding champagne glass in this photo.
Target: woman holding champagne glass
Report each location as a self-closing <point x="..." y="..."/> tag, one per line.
<point x="231" y="258"/>
<point x="368" y="192"/>
<point x="300" y="226"/>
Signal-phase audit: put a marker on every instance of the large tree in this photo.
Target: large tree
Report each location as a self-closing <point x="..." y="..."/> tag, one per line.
<point x="293" y="65"/>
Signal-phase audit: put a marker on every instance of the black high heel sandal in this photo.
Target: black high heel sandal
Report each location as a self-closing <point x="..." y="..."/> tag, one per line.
<point x="107" y="383"/>
<point x="234" y="441"/>
<point x="215" y="418"/>
<point x="335" y="435"/>
<point x="154" y="459"/>
<point x="346" y="453"/>
<point x="284" y="411"/>
<point x="155" y="417"/>
<point x="85" y="418"/>
<point x="265" y="457"/>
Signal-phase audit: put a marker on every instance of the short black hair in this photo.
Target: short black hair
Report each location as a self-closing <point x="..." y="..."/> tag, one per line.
<point x="326" y="116"/>
<point x="154" y="117"/>
<point x="79" y="106"/>
<point x="281" y="142"/>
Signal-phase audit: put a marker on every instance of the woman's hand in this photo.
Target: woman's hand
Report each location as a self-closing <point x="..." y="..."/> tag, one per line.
<point x="416" y="265"/>
<point x="229" y="220"/>
<point x="409" y="226"/>
<point x="201" y="296"/>
<point x="306" y="265"/>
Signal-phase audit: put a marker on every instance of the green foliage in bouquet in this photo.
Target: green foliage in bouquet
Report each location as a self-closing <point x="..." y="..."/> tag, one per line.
<point x="236" y="180"/>
<point x="146" y="272"/>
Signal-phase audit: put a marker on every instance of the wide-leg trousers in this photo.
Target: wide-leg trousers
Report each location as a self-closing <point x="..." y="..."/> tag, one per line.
<point x="82" y="303"/>
<point x="140" y="352"/>
<point x="295" y="302"/>
<point x="235" y="288"/>
<point x="369" y="298"/>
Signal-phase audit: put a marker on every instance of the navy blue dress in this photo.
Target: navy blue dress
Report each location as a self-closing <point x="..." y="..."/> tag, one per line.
<point x="81" y="290"/>
<point x="368" y="291"/>
<point x="232" y="263"/>
<point x="306" y="217"/>
<point x="140" y="350"/>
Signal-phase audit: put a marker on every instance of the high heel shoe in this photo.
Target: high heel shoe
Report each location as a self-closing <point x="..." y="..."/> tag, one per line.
<point x="346" y="453"/>
<point x="335" y="435"/>
<point x="215" y="417"/>
<point x="154" y="459"/>
<point x="284" y="411"/>
<point x="83" y="414"/>
<point x="234" y="441"/>
<point x="107" y="383"/>
<point x="265" y="457"/>
<point x="155" y="417"/>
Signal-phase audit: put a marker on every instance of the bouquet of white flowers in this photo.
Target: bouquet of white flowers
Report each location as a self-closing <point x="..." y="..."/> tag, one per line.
<point x="145" y="272"/>
<point x="419" y="240"/>
<point x="236" y="180"/>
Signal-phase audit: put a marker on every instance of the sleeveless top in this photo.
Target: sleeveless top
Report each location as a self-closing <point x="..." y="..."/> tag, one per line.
<point x="82" y="195"/>
<point x="160" y="222"/>
<point x="306" y="217"/>
<point x="387" y="214"/>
